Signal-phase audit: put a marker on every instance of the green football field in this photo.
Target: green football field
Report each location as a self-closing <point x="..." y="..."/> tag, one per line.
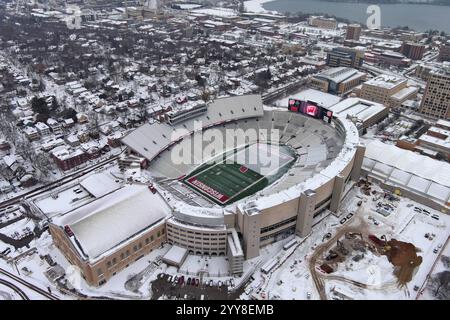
<point x="225" y="182"/>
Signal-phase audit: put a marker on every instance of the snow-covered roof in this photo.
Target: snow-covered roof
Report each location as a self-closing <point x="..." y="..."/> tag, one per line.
<point x="115" y="218"/>
<point x="409" y="170"/>
<point x="321" y="98"/>
<point x="100" y="184"/>
<point x="385" y="81"/>
<point x="175" y="256"/>
<point x="356" y="107"/>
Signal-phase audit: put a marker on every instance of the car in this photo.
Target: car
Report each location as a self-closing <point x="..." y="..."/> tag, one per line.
<point x="197" y="282"/>
<point x="219" y="284"/>
<point x="308" y="295"/>
<point x="175" y="279"/>
<point x="435" y="250"/>
<point x="435" y="216"/>
<point x="349" y="215"/>
<point x="193" y="282"/>
<point x="211" y="283"/>
<point x="181" y="280"/>
<point x="169" y="279"/>
<point x="416" y="288"/>
<point x="426" y="211"/>
<point x="188" y="281"/>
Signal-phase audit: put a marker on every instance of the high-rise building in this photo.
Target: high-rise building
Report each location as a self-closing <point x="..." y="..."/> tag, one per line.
<point x="346" y="57"/>
<point x="436" y="100"/>
<point x="413" y="50"/>
<point x="353" y="32"/>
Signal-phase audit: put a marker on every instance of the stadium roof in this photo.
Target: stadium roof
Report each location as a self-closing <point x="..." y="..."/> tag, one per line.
<point x="112" y="220"/>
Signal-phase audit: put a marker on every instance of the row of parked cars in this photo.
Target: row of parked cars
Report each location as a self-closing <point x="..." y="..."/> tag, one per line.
<point x="426" y="212"/>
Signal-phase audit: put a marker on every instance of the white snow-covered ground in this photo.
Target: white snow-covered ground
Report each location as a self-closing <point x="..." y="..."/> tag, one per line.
<point x="292" y="279"/>
<point x="256" y="6"/>
<point x="18" y="229"/>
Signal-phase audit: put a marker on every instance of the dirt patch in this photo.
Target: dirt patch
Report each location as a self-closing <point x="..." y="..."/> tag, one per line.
<point x="403" y="255"/>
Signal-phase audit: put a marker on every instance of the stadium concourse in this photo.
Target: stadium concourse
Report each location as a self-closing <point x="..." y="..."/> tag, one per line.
<point x="236" y="176"/>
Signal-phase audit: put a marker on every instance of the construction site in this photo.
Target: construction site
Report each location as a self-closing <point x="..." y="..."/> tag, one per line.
<point x="370" y="250"/>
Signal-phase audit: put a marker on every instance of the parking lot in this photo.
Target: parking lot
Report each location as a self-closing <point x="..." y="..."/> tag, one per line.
<point x="206" y="290"/>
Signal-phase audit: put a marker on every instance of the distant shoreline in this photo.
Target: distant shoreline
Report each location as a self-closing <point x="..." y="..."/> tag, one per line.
<point x="257" y="6"/>
<point x="387" y="2"/>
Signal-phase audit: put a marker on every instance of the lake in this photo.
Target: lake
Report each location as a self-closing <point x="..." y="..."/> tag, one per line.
<point x="419" y="17"/>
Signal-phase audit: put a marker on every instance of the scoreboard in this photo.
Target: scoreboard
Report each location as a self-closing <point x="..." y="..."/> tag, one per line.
<point x="311" y="109"/>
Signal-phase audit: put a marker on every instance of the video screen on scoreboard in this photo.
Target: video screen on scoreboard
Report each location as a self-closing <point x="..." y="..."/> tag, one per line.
<point x="311" y="109"/>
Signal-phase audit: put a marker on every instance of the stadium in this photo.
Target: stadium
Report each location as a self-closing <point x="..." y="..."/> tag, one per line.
<point x="238" y="175"/>
<point x="221" y="179"/>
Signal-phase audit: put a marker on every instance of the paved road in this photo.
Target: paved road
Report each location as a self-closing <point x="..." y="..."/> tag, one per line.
<point x="15" y="288"/>
<point x="57" y="183"/>
<point x="31" y="286"/>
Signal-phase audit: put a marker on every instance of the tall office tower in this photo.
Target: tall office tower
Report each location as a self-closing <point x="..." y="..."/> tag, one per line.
<point x="436" y="100"/>
<point x="353" y="32"/>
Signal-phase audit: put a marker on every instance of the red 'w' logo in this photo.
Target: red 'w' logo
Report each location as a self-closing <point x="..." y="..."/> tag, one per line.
<point x="243" y="169"/>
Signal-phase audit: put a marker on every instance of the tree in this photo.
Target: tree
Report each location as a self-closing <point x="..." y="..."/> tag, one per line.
<point x="201" y="82"/>
<point x="39" y="105"/>
<point x="69" y="113"/>
<point x="206" y="95"/>
<point x="440" y="285"/>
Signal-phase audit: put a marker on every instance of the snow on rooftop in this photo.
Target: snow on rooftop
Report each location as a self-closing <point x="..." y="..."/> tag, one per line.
<point x="404" y="93"/>
<point x="218" y="12"/>
<point x="176" y="255"/>
<point x="356" y="107"/>
<point x="385" y="81"/>
<point x="100" y="184"/>
<point x="106" y="223"/>
<point x="323" y="99"/>
<point x="420" y="174"/>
